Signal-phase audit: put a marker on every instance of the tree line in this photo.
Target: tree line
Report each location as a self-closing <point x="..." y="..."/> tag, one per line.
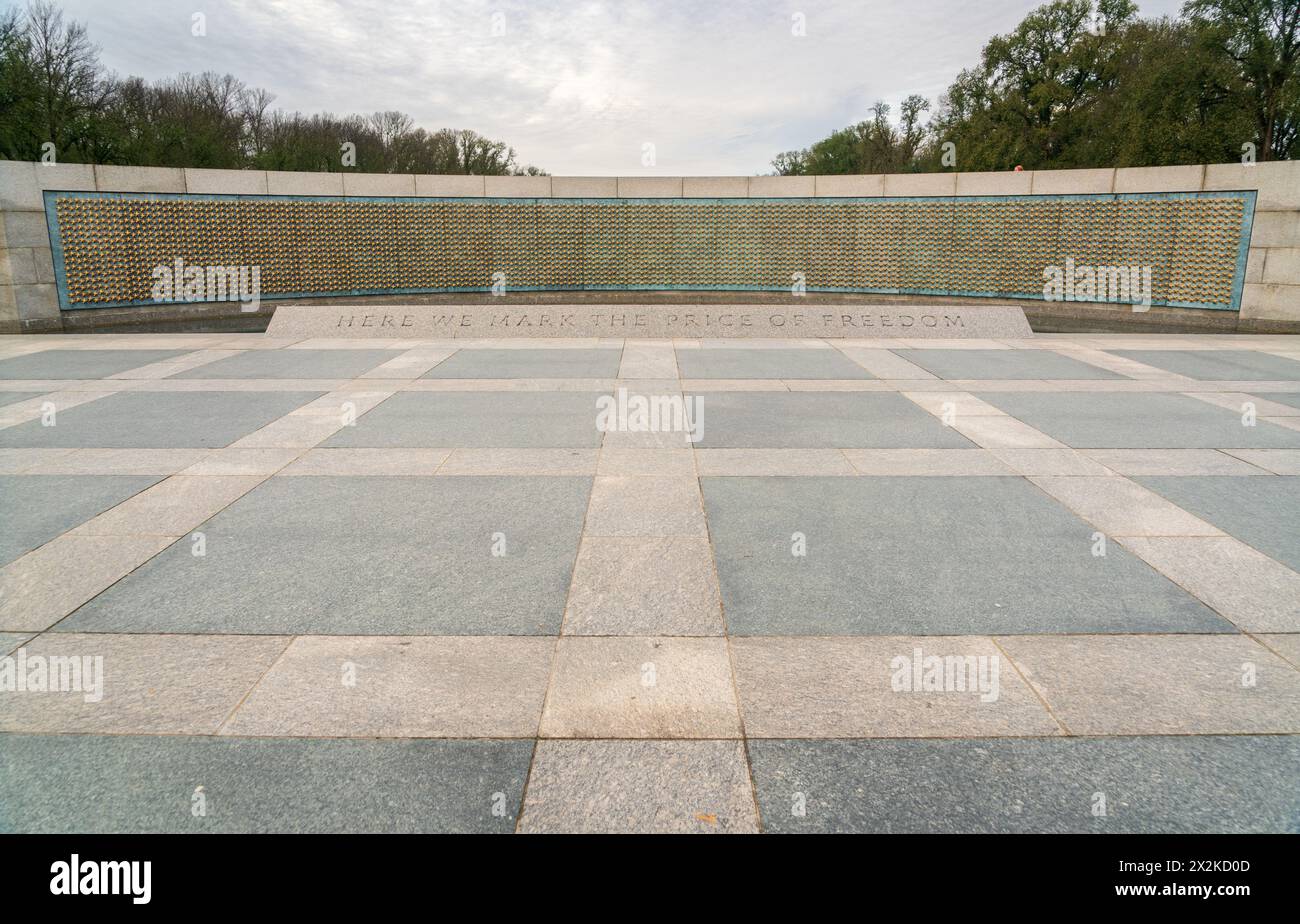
<point x="1084" y="85"/>
<point x="55" y="92"/>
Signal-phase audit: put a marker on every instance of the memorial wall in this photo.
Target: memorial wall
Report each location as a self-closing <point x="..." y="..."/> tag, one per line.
<point x="137" y="244"/>
<point x="1183" y="250"/>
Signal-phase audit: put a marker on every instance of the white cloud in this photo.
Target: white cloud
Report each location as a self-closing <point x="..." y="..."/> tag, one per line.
<point x="577" y="87"/>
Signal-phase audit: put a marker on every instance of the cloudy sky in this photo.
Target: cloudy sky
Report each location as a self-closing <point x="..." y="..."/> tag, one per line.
<point x="577" y="87"/>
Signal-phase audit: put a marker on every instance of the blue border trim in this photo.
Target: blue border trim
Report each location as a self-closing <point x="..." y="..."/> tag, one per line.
<point x="1248" y="196"/>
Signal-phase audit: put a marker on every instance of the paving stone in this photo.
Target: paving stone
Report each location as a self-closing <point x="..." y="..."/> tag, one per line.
<point x="644" y="587"/>
<point x="168" y="368"/>
<point x="1240" y="403"/>
<point x="448" y="687"/>
<point x="1127" y="368"/>
<point x="1252" y="590"/>
<point x="1263" y="513"/>
<point x="1290" y="423"/>
<point x="478" y="420"/>
<point x="1218" y="365"/>
<point x="884" y="364"/>
<point x="80" y="364"/>
<point x="509" y="385"/>
<point x="242" y="461"/>
<point x="1290" y="400"/>
<point x="648" y="439"/>
<point x="808" y="420"/>
<point x="1277" y="461"/>
<point x="1137" y="421"/>
<point x="643" y="787"/>
<point x="1288" y="646"/>
<point x="408" y="365"/>
<point x="1203" y="783"/>
<point x="1033" y="461"/>
<point x="158" y="420"/>
<point x="293" y="432"/>
<point x="1003" y="433"/>
<point x="344" y="404"/>
<point x="1161" y="685"/>
<point x="156" y="462"/>
<point x="1003" y="364"/>
<point x="920" y="462"/>
<point x="38" y="508"/>
<point x="172" y="507"/>
<point x="645" y="506"/>
<point x="9" y="641"/>
<point x="367" y="462"/>
<point x="528" y="364"/>
<point x="146" y="684"/>
<point x="43" y="405"/>
<point x="364" y="555"/>
<point x="43" y="586"/>
<point x="302" y="785"/>
<point x="647" y="361"/>
<point x="952" y="404"/>
<point x="641" y="688"/>
<point x="768" y="364"/>
<point x="633" y="460"/>
<point x="30" y="461"/>
<point x="520" y="462"/>
<point x="873" y="688"/>
<point x="1119" y="507"/>
<point x="1172" y="462"/>
<point x="926" y="556"/>
<point x="291" y="364"/>
<point x="777" y="461"/>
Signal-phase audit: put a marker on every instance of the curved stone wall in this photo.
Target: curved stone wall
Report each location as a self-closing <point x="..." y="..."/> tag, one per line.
<point x="112" y="249"/>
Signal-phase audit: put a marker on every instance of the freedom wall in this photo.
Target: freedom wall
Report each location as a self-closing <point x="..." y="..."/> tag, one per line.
<point x="135" y="245"/>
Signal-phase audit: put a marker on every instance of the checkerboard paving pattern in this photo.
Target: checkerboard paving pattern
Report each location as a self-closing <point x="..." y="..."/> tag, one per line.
<point x="891" y="585"/>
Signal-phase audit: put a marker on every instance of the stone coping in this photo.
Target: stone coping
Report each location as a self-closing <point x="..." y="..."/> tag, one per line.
<point x="652" y="321"/>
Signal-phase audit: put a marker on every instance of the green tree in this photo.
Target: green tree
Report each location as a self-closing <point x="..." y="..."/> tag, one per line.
<point x="1262" y="38"/>
<point x="873" y="146"/>
<point x="53" y="89"/>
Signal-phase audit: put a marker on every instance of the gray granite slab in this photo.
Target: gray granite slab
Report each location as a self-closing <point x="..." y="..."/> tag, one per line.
<point x="1220" y="365"/>
<point x="80" y="364"/>
<point x="364" y="555"/>
<point x="140" y="684"/>
<point x="1179" y="784"/>
<point x="485" y="419"/>
<point x="1261" y="512"/>
<point x="623" y="787"/>
<point x="10" y="641"/>
<point x="768" y="364"/>
<point x="159" y="420"/>
<point x="649" y="320"/>
<point x="37" y="508"/>
<point x="1138" y="421"/>
<point x="1290" y="399"/>
<point x="1003" y="364"/>
<point x="425" y="687"/>
<point x="926" y="556"/>
<point x="291" y="364"/>
<point x="842" y="420"/>
<point x="599" y="363"/>
<point x="128" y="784"/>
